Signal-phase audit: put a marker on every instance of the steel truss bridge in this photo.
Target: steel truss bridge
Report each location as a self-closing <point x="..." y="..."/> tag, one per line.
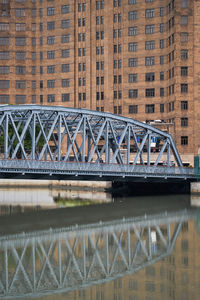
<point x="66" y="143"/>
<point x="61" y="260"/>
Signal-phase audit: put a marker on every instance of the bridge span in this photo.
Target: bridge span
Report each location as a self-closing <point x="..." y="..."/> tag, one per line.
<point x="67" y="143"/>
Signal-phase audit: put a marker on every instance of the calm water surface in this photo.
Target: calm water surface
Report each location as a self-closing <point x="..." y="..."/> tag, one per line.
<point x="87" y="245"/>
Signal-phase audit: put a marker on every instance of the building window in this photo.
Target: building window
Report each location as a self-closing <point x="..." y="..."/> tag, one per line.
<point x="133" y="109"/>
<point x="162" y="27"/>
<point x="184" y="20"/>
<point x="65" y="82"/>
<point x="4" y="26"/>
<point x="161" y="60"/>
<point x="51" y="98"/>
<point x="162" y="108"/>
<point x="149" y="45"/>
<point x="149" y="13"/>
<point x="184" y="140"/>
<point x="50" y="11"/>
<point x="132" y="31"/>
<point x="20" y="84"/>
<point x="65" y="67"/>
<point x="184" y="71"/>
<point x="184" y="3"/>
<point x="4" y="41"/>
<point x="184" y="88"/>
<point x="41" y="12"/>
<point x="132" y="78"/>
<point x="51" y="40"/>
<point x="161" y="75"/>
<point x="162" y="92"/>
<point x="4" y="55"/>
<point x="33" y="99"/>
<point x="132" y="47"/>
<point x="130" y="2"/>
<point x="20" y="99"/>
<point x="149" y="61"/>
<point x="184" y="54"/>
<point x="65" y="38"/>
<point x="161" y="44"/>
<point x="20" y="26"/>
<point x="150" y="76"/>
<point x="20" y="70"/>
<point x="65" y="53"/>
<point x="65" y="9"/>
<point x="184" y="122"/>
<point x="150" y="108"/>
<point x="41" y="98"/>
<point x="133" y="93"/>
<point x="65" y="23"/>
<point x="149" y="29"/>
<point x="150" y="92"/>
<point x="20" y="41"/>
<point x="20" y="12"/>
<point x="133" y="62"/>
<point x="51" y="69"/>
<point x="4" y="70"/>
<point x="65" y="97"/>
<point x="161" y="11"/>
<point x="51" y="25"/>
<point x="184" y="105"/>
<point x="33" y="84"/>
<point x="184" y="37"/>
<point x="133" y="15"/>
<point x="51" y="83"/>
<point x="4" y="99"/>
<point x="4" y="84"/>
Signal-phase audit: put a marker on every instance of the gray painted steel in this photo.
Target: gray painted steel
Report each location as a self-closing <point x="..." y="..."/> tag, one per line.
<point x="62" y="260"/>
<point x="39" y="141"/>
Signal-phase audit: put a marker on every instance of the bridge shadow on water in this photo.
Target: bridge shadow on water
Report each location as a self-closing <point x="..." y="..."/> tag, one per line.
<point x="149" y="188"/>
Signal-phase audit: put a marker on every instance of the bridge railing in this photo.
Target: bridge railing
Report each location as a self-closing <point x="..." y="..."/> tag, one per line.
<point x="95" y="168"/>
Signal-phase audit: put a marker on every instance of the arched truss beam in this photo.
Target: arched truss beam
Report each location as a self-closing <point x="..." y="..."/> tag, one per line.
<point x="62" y="260"/>
<point x="54" y="133"/>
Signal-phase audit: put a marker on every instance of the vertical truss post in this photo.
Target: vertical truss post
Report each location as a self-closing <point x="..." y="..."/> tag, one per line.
<point x="6" y="268"/>
<point x="169" y="233"/>
<point x="33" y="131"/>
<point x="83" y="139"/>
<point x="129" y="247"/>
<point x="59" y="262"/>
<point x="59" y="138"/>
<point x="149" y="242"/>
<point x="128" y="145"/>
<point x="84" y="258"/>
<point x="33" y="265"/>
<point x="149" y="150"/>
<point x="106" y="145"/>
<point x="6" y="137"/>
<point x="107" y="255"/>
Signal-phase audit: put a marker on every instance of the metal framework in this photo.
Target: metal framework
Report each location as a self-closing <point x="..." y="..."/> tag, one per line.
<point x="32" y="135"/>
<point x="61" y="260"/>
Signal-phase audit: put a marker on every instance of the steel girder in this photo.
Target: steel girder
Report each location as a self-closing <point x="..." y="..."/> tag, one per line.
<point x="32" y="132"/>
<point x="61" y="260"/>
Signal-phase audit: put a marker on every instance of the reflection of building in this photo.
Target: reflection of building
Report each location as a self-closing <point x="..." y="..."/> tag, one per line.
<point x="175" y="277"/>
<point x="160" y="254"/>
<point x="139" y="59"/>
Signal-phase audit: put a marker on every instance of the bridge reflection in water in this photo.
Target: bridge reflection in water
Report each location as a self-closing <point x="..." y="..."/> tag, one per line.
<point x="61" y="260"/>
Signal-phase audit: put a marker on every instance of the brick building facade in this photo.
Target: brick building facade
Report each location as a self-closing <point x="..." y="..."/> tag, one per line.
<point x="137" y="58"/>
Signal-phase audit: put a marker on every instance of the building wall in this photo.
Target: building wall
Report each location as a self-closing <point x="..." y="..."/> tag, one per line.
<point x="136" y="58"/>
